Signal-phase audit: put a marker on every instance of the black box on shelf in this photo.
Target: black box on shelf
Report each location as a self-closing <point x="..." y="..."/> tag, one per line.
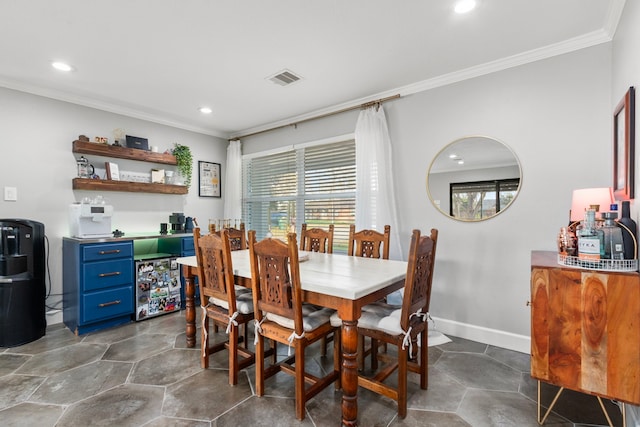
<point x="137" y="142"/>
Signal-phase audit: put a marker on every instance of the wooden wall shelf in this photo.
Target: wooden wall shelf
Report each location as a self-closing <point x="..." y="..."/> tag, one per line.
<point x="96" y="149"/>
<point x="140" y="187"/>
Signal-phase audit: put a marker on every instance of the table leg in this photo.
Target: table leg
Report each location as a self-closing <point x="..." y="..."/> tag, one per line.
<point x="349" y="375"/>
<point x="190" y="312"/>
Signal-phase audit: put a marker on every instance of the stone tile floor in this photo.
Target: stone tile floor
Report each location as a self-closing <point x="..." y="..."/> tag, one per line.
<point x="142" y="374"/>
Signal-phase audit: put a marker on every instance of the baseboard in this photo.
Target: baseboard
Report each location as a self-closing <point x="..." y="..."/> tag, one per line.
<point x="495" y="337"/>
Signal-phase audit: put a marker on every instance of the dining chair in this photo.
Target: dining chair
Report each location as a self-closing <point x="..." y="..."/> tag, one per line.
<point x="316" y="239"/>
<point x="280" y="315"/>
<point x="237" y="236"/>
<point x="368" y="244"/>
<point x="227" y="305"/>
<point x="402" y="326"/>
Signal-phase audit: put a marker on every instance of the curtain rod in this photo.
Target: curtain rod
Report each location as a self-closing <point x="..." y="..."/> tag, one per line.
<point x="321" y="116"/>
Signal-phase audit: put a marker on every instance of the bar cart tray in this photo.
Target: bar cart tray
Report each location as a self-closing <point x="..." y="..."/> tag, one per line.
<point x="599" y="264"/>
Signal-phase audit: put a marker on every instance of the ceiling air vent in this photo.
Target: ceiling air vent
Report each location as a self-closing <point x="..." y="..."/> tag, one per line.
<point x="285" y="78"/>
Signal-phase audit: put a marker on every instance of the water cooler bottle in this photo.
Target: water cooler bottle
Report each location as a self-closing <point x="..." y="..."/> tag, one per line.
<point x="22" y="285"/>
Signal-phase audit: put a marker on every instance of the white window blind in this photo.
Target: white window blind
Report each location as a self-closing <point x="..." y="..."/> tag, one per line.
<point x="313" y="184"/>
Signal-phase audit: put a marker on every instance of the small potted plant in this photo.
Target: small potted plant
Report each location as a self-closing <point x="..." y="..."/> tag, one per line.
<point x="184" y="158"/>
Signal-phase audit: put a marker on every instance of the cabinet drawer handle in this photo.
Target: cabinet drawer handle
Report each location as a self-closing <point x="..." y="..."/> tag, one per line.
<point x="114" y="251"/>
<point x="113" y="273"/>
<point x="107" y="304"/>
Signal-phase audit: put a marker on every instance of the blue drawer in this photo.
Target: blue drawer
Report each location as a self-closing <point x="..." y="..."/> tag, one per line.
<point x="105" y="251"/>
<point x="107" y="274"/>
<point x="188" y="247"/>
<point x="106" y="304"/>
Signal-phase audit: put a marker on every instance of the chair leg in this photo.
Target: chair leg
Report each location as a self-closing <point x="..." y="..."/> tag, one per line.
<point x="323" y="347"/>
<point x="300" y="388"/>
<point x="233" y="355"/>
<point x="374" y="354"/>
<point x="337" y="357"/>
<point x="260" y="366"/>
<point x="424" y="360"/>
<point x="361" y="355"/>
<point x="402" y="382"/>
<point x="204" y="344"/>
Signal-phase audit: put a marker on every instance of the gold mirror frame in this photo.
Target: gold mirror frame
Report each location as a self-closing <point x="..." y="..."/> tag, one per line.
<point x="485" y="159"/>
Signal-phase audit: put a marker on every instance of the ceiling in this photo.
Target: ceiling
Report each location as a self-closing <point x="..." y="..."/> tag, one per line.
<point x="161" y="60"/>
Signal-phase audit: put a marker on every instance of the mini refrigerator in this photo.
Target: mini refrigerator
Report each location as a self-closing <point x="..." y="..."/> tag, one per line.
<point x="157" y="287"/>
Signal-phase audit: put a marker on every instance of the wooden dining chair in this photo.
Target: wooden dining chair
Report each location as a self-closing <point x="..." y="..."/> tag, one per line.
<point x="281" y="316"/>
<point x="316" y="239"/>
<point x="401" y="327"/>
<point x="237" y="236"/>
<point x="368" y="244"/>
<point x="228" y="306"/>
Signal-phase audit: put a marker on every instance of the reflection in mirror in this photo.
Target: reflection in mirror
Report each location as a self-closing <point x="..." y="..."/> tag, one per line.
<point x="474" y="178"/>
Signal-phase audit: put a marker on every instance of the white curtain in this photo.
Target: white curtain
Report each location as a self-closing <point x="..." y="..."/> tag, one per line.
<point x="233" y="182"/>
<point x="375" y="195"/>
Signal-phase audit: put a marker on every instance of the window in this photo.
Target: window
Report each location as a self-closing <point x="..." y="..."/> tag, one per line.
<point x="481" y="199"/>
<point x="313" y="184"/>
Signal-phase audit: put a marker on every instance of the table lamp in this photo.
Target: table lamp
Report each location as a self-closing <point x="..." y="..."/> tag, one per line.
<point x="584" y="198"/>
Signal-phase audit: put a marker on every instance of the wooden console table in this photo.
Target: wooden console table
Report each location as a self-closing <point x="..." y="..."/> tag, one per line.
<point x="585" y="330"/>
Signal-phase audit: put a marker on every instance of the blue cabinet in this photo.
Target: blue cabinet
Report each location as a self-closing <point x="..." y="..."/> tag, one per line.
<point x="98" y="284"/>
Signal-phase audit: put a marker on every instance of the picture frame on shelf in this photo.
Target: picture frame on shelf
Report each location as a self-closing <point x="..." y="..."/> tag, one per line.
<point x="624" y="147"/>
<point x="113" y="172"/>
<point x="209" y="179"/>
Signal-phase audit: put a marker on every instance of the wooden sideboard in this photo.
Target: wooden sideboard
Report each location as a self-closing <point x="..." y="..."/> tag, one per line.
<point x="585" y="329"/>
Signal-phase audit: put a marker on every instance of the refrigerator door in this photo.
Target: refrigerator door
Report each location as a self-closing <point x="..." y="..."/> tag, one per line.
<point x="157" y="287"/>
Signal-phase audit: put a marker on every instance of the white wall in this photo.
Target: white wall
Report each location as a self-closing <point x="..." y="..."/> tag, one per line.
<point x="626" y="73"/>
<point x="36" y="135"/>
<point x="555" y="115"/>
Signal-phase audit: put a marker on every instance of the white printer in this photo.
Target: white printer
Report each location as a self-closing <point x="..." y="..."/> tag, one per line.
<point x="90" y="220"/>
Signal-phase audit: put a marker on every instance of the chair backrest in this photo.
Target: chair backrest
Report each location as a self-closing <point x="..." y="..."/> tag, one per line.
<point x="367" y="243"/>
<point x="316" y="239"/>
<point x="417" y="287"/>
<point x="275" y="278"/>
<point x="215" y="270"/>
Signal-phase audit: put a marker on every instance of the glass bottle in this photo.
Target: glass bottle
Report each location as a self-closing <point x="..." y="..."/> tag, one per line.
<point x="590" y="238"/>
<point x="628" y="237"/>
<point x="567" y="242"/>
<point x="613" y="243"/>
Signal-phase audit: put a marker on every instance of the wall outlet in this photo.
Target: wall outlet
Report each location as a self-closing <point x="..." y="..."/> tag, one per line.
<point x="10" y="194"/>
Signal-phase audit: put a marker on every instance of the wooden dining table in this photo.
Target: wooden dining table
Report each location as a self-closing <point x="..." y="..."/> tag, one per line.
<point x="343" y="283"/>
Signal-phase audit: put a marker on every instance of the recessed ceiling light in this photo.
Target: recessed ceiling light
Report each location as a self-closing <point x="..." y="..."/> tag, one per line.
<point x="205" y="110"/>
<point x="61" y="66"/>
<point x="453" y="156"/>
<point x="464" y="6"/>
<point x="461" y="162"/>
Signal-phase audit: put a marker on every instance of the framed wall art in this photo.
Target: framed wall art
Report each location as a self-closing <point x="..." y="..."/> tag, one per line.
<point x="210" y="181"/>
<point x="624" y="147"/>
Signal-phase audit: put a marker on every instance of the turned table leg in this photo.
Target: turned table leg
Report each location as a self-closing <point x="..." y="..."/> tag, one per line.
<point x="190" y="312"/>
<point x="349" y="375"/>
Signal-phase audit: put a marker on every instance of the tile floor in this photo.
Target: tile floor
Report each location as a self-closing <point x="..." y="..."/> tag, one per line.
<point x="142" y="374"/>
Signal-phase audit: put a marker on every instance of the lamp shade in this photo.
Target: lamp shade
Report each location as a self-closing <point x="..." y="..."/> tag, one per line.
<point x="586" y="197"/>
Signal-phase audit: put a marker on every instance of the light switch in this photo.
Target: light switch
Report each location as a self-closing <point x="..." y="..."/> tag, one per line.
<point x="10" y="194"/>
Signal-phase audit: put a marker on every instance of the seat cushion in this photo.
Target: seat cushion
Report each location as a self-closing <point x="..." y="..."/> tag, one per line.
<point x="373" y="320"/>
<point x="244" y="301"/>
<point x="311" y="320"/>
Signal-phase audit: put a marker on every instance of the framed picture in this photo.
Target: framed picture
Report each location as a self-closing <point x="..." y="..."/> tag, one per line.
<point x="209" y="179"/>
<point x="624" y="147"/>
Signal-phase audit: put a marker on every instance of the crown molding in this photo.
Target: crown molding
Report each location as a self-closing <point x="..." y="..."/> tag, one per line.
<point x="106" y="106"/>
<point x="567" y="46"/>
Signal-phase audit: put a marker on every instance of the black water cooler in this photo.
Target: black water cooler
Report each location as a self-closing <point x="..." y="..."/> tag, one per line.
<point x="22" y="285"/>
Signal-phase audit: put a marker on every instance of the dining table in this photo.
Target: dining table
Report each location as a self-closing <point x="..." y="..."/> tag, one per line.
<point x="340" y="282"/>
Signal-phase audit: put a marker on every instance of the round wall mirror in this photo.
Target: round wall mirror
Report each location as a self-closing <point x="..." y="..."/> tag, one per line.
<point x="474" y="178"/>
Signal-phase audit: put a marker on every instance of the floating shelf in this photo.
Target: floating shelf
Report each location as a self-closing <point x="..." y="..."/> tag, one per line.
<point x="139" y="187"/>
<point x="106" y="150"/>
